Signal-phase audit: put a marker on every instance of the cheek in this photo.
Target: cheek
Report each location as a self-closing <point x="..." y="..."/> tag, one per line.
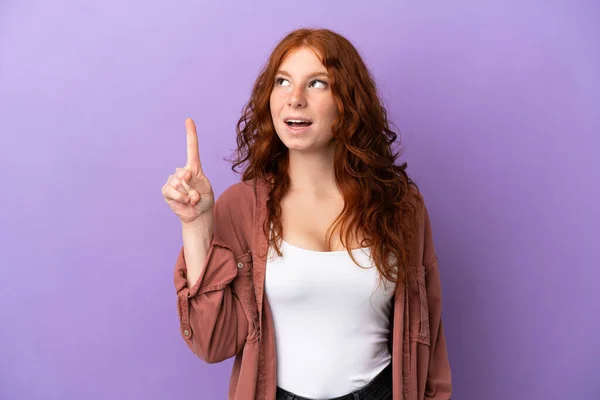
<point x="275" y="102"/>
<point x="332" y="111"/>
<point x="328" y="107"/>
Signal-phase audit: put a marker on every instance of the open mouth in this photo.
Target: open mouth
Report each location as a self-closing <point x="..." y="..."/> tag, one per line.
<point x="297" y="123"/>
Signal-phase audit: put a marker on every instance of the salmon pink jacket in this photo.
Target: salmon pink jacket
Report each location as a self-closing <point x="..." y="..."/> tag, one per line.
<point x="226" y="312"/>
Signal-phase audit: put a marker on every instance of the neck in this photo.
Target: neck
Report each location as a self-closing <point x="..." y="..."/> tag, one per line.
<point x="313" y="172"/>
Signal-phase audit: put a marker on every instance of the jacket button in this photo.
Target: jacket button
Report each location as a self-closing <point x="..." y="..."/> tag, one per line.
<point x="240" y="265"/>
<point x="186" y="333"/>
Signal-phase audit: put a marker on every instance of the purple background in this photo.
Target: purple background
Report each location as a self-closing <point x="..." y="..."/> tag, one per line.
<point x="498" y="104"/>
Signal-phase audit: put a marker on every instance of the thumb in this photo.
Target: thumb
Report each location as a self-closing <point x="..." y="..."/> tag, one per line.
<point x="187" y="175"/>
<point x="194" y="196"/>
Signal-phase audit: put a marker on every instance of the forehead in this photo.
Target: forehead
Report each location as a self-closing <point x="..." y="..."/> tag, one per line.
<point x="302" y="60"/>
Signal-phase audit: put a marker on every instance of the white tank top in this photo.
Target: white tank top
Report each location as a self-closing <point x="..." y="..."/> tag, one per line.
<point x="331" y="320"/>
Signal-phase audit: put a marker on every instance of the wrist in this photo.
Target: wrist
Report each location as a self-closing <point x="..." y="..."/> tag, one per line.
<point x="202" y="223"/>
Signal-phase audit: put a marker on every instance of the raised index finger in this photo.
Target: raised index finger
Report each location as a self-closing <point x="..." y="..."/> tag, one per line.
<point x="193" y="155"/>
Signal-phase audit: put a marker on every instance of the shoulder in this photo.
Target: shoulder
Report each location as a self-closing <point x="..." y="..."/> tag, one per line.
<point x="237" y="194"/>
<point x="424" y="232"/>
<point x="237" y="201"/>
<point x="245" y="195"/>
<point x="234" y="216"/>
<point x="415" y="199"/>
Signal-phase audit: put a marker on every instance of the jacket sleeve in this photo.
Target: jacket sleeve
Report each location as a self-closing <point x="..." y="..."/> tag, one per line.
<point x="212" y="319"/>
<point x="439" y="381"/>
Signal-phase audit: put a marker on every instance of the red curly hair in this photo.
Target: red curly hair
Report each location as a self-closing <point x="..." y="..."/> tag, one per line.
<point x="374" y="188"/>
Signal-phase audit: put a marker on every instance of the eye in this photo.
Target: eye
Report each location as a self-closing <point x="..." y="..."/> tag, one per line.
<point x="319" y="81"/>
<point x="280" y="82"/>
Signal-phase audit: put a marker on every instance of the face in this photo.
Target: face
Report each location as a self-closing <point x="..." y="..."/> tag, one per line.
<point x="302" y="105"/>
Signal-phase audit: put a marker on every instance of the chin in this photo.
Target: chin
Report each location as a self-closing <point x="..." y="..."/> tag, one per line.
<point x="295" y="146"/>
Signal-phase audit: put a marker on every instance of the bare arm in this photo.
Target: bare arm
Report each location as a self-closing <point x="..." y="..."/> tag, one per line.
<point x="189" y="194"/>
<point x="197" y="236"/>
<point x="212" y="317"/>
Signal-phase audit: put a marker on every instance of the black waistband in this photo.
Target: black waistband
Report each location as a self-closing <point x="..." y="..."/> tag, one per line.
<point x="384" y="378"/>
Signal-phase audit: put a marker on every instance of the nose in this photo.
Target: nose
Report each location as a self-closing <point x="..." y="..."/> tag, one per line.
<point x="297" y="99"/>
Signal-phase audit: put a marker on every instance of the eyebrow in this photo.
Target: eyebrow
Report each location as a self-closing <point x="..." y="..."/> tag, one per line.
<point x="313" y="75"/>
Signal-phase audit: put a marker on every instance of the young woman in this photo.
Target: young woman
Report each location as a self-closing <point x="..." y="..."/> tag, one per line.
<point x="317" y="271"/>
